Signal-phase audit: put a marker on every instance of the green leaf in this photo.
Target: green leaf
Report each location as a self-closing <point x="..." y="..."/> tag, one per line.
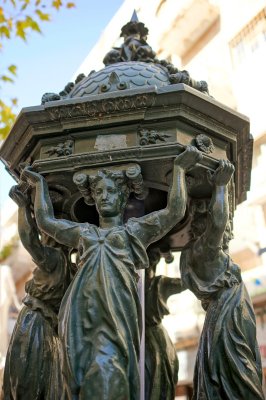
<point x="6" y="250"/>
<point x="13" y="69"/>
<point x="25" y="5"/>
<point x="6" y="78"/>
<point x="14" y="3"/>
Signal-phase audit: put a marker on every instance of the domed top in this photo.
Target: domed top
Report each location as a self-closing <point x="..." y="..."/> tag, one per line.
<point x="121" y="76"/>
<point x="132" y="65"/>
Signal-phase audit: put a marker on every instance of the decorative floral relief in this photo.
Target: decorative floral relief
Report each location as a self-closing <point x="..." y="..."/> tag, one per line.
<point x="61" y="149"/>
<point x="204" y="143"/>
<point x="151" y="136"/>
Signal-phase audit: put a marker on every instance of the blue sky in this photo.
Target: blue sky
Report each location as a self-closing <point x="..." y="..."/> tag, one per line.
<point x="48" y="61"/>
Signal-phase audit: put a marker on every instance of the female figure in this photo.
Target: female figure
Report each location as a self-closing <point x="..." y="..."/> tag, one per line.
<point x="228" y="365"/>
<point x="100" y="313"/>
<point x="33" y="369"/>
<point x="161" y="363"/>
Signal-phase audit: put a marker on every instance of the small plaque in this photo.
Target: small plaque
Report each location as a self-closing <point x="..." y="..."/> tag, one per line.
<point x="110" y="142"/>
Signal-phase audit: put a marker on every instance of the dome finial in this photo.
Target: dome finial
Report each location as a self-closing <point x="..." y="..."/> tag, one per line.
<point x="134" y="17"/>
<point x="134" y="27"/>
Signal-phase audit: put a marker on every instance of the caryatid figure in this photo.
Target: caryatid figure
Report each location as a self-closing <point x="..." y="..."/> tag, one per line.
<point x="100" y="316"/>
<point x="228" y="365"/>
<point x="33" y="365"/>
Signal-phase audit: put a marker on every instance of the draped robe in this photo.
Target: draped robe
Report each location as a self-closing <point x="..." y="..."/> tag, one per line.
<point x="228" y="364"/>
<point x="33" y="364"/>
<point x="100" y="315"/>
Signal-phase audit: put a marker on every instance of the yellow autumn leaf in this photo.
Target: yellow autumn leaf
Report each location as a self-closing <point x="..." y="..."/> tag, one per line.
<point x="70" y="5"/>
<point x="43" y="16"/>
<point x="18" y="18"/>
<point x="57" y="4"/>
<point x="20" y="30"/>
<point x="10" y="23"/>
<point x="7" y="118"/>
<point x="2" y="19"/>
<point x="32" y="24"/>
<point x="4" y="31"/>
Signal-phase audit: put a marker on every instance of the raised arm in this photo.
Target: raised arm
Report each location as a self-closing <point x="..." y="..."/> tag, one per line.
<point x="27" y="228"/>
<point x="177" y="196"/>
<point x="218" y="214"/>
<point x="207" y="257"/>
<point x="63" y="231"/>
<point x="154" y="226"/>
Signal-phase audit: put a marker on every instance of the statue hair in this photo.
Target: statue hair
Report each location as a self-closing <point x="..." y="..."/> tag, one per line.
<point x="118" y="177"/>
<point x="198" y="224"/>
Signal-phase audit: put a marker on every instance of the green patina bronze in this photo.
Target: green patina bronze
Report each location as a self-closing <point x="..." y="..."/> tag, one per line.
<point x="123" y="158"/>
<point x="161" y="363"/>
<point x="99" y="319"/>
<point x="228" y="364"/>
<point x="33" y="365"/>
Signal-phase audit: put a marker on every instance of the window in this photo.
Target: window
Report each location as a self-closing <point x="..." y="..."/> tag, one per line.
<point x="250" y="39"/>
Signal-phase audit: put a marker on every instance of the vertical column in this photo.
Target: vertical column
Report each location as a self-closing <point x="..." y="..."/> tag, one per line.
<point x="141" y="287"/>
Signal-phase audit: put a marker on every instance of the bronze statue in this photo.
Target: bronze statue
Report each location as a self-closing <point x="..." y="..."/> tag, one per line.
<point x="33" y="367"/>
<point x="228" y="364"/>
<point x="161" y="362"/>
<point x="100" y="323"/>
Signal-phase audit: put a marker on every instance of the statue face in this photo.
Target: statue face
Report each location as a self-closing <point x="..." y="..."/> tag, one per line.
<point x="107" y="198"/>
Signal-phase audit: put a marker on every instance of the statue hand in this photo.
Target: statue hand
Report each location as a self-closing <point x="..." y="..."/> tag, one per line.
<point x="188" y="158"/>
<point x="30" y="176"/>
<point x="222" y="174"/>
<point x="20" y="198"/>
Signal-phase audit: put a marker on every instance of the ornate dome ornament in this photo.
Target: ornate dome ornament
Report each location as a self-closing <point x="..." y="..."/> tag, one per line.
<point x="132" y="65"/>
<point x="121" y="76"/>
